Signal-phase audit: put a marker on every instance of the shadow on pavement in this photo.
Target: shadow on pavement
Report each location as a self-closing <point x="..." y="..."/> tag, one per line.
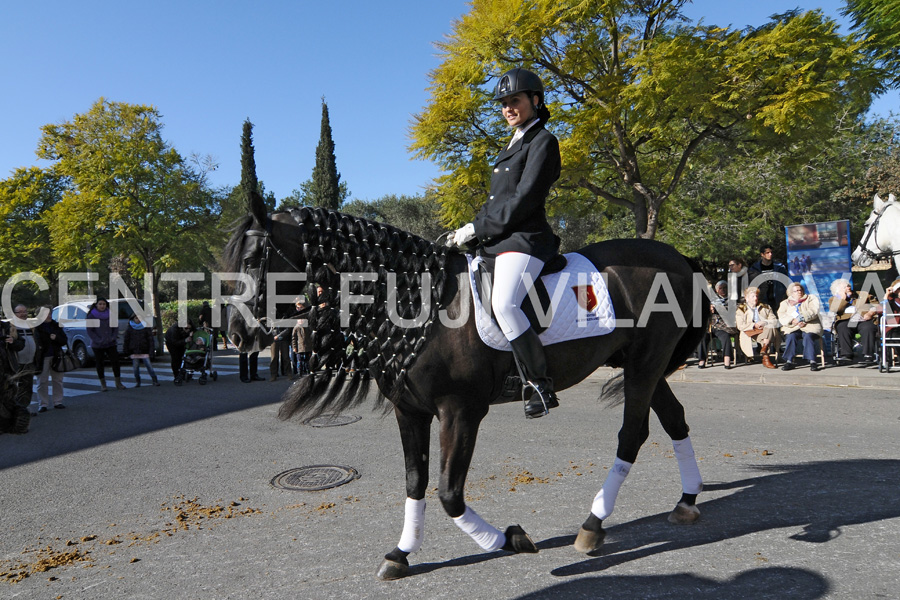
<point x="772" y="582"/>
<point x="106" y="417"/>
<point x="818" y="499"/>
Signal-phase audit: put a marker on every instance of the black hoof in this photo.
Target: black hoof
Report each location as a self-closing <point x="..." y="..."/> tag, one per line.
<point x="590" y="536"/>
<point x="518" y="541"/>
<point x="391" y="570"/>
<point x="394" y="565"/>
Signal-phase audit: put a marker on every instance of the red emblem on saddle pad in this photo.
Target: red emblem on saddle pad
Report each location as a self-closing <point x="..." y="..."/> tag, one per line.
<point x="585" y="296"/>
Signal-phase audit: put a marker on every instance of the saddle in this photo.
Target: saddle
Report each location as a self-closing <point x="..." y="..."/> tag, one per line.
<point x="484" y="286"/>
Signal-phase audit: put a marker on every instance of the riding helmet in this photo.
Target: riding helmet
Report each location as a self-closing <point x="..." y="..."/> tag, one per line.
<point x="518" y="80"/>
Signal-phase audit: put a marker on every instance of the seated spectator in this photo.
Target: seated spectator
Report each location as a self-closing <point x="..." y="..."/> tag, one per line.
<point x="718" y="326"/>
<point x="892" y="317"/>
<point x="757" y="322"/>
<point x="799" y="318"/>
<point x="852" y="314"/>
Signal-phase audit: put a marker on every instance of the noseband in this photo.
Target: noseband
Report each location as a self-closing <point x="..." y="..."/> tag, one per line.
<point x="268" y="247"/>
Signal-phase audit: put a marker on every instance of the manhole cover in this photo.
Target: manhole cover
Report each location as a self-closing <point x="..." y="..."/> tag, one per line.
<point x="329" y="420"/>
<point x="315" y="477"/>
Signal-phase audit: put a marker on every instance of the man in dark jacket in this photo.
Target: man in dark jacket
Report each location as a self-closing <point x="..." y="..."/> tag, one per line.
<point x="771" y="291"/>
<point x="176" y="343"/>
<point x="14" y="418"/>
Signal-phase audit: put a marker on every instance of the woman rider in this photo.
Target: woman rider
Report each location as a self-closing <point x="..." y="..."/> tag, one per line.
<point x="512" y="225"/>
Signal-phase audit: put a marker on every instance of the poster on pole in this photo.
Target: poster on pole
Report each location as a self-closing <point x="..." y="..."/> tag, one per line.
<point x="818" y="253"/>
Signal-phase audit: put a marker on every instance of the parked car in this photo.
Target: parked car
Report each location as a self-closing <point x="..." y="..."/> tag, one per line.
<point x="72" y="317"/>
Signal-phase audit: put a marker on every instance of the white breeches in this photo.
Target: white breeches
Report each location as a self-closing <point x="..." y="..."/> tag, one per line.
<point x="514" y="275"/>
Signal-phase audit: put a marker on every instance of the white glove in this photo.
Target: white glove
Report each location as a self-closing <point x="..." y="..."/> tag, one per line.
<point x="464" y="234"/>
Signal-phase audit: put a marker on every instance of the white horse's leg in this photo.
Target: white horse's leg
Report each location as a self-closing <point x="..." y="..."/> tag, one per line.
<point x="691" y="483"/>
<point x="590" y="536"/>
<point x="605" y="500"/>
<point x="485" y="535"/>
<point x="413" y="526"/>
<point x="514" y="539"/>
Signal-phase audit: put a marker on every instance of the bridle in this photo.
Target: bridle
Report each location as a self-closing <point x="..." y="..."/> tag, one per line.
<point x="872" y="230"/>
<point x="263" y="269"/>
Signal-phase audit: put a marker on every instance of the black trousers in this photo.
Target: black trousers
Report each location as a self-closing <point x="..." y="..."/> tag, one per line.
<point x="247" y="364"/>
<point x="868" y="333"/>
<point x="111" y="354"/>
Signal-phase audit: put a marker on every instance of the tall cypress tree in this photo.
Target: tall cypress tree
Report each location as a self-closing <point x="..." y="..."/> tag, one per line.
<point x="326" y="189"/>
<point x="249" y="181"/>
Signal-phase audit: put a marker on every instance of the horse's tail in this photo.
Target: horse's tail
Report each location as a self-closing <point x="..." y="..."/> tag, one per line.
<point x="323" y="391"/>
<point x="694" y="333"/>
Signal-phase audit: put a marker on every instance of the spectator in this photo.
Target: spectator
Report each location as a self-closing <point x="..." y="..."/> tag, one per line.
<point x="718" y="326"/>
<point x="799" y="318"/>
<point x="280" y="352"/>
<point x="51" y="340"/>
<point x="104" y="341"/>
<point x="14" y="418"/>
<point x="138" y="345"/>
<point x="176" y="343"/>
<point x="300" y="338"/>
<point x="206" y="315"/>
<point x="892" y="317"/>
<point x="757" y="322"/>
<point x="852" y="314"/>
<point x="771" y="291"/>
<point x="737" y="272"/>
<point x="247" y="366"/>
<point x="28" y="356"/>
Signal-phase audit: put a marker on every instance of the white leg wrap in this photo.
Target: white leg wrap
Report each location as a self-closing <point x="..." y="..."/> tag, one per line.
<point x="413" y="526"/>
<point x="487" y="536"/>
<point x="691" y="482"/>
<point x="605" y="500"/>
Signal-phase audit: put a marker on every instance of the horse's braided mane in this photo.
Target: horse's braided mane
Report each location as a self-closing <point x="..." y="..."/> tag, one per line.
<point x="372" y="346"/>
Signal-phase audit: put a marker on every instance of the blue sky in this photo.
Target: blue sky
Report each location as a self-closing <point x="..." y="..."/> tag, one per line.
<point x="209" y="65"/>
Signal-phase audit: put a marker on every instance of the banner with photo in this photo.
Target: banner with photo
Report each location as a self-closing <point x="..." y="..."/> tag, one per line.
<point x="818" y="253"/>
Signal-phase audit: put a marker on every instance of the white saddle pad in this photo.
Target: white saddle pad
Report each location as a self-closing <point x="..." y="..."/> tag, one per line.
<point x="580" y="303"/>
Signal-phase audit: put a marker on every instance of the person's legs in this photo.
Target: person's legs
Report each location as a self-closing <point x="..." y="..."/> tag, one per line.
<point x="56" y="379"/>
<point x="136" y="367"/>
<point x="790" y="349"/>
<point x="514" y="274"/>
<point x="845" y="339"/>
<point x="43" y="398"/>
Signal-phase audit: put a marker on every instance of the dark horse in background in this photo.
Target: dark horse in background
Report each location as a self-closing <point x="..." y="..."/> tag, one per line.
<point x="427" y="360"/>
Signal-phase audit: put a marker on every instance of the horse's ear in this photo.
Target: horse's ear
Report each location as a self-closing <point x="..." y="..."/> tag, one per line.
<point x="891" y="198"/>
<point x="257" y="208"/>
<point x="879" y="203"/>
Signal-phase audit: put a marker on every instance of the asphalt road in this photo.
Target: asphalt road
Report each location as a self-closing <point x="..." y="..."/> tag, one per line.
<point x="165" y="493"/>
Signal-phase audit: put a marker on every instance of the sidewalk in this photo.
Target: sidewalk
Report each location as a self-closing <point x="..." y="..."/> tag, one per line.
<point x="756" y="374"/>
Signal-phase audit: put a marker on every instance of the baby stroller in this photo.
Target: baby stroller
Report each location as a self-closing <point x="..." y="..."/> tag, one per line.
<point x="198" y="357"/>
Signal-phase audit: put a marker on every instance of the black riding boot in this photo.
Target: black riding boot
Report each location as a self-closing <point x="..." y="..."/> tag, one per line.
<point x="529" y="354"/>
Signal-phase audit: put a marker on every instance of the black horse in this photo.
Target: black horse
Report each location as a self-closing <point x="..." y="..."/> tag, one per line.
<point x="405" y="310"/>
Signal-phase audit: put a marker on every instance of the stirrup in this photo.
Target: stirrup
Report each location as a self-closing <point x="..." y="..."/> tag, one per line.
<point x="534" y="409"/>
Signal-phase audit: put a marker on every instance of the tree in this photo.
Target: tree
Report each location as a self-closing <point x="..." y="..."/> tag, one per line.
<point x="132" y="194"/>
<point x="26" y="198"/>
<point x="636" y="92"/>
<point x="738" y="200"/>
<point x="324" y="188"/>
<point x="415" y="214"/>
<point x="877" y="21"/>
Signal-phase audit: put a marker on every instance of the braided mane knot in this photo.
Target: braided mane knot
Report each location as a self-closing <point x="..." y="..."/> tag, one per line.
<point x="401" y="275"/>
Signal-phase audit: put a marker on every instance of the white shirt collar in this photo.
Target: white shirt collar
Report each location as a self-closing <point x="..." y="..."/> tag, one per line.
<point x="520" y="132"/>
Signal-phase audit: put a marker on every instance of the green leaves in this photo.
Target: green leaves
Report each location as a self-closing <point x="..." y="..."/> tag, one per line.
<point x="635" y="93"/>
<point x="131" y="194"/>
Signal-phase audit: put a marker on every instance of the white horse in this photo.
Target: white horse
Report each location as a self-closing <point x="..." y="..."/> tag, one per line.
<point x="881" y="239"/>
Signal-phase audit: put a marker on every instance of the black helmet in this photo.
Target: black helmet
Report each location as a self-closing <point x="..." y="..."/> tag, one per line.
<point x="518" y="80"/>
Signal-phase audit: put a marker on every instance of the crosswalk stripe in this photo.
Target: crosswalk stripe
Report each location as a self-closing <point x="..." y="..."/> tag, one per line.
<point x="85" y="381"/>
